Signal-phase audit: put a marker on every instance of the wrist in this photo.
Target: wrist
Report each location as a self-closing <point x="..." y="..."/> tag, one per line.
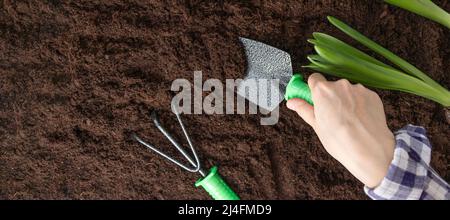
<point x="371" y="153"/>
<point x="381" y="162"/>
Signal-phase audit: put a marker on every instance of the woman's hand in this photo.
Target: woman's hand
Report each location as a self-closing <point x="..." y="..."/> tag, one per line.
<point x="351" y="124"/>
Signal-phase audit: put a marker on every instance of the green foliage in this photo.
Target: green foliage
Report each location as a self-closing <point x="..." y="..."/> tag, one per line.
<point x="425" y="8"/>
<point x="337" y="58"/>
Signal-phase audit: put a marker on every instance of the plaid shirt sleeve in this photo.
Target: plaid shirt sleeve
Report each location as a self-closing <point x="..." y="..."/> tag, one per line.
<point x="410" y="176"/>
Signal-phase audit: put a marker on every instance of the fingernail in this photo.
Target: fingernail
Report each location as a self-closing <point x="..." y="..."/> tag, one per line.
<point x="289" y="105"/>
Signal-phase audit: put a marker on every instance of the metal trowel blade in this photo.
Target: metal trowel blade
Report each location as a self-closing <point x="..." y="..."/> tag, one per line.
<point x="269" y="70"/>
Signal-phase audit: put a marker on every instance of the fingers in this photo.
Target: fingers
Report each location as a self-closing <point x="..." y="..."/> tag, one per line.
<point x="303" y="109"/>
<point x="314" y="79"/>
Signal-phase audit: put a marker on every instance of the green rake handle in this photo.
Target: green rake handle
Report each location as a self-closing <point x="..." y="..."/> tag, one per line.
<point x="297" y="88"/>
<point x="216" y="186"/>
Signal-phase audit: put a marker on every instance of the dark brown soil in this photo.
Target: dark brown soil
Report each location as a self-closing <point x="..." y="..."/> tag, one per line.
<point x="77" y="78"/>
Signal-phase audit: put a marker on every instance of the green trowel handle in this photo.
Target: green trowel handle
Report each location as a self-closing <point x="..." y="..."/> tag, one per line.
<point x="297" y="88"/>
<point x="216" y="186"/>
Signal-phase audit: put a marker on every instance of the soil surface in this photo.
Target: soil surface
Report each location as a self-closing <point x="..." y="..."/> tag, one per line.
<point x="77" y="78"/>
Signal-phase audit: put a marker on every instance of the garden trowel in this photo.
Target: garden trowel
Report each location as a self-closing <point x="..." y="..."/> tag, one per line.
<point x="269" y="77"/>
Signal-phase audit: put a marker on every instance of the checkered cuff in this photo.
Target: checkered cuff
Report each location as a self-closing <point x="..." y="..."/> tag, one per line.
<point x="409" y="176"/>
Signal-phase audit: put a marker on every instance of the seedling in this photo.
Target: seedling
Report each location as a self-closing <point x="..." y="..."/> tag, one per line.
<point x="337" y="58"/>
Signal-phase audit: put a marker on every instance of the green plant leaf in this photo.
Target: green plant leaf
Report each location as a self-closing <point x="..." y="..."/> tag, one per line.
<point x="335" y="57"/>
<point x="380" y="50"/>
<point x="339" y="45"/>
<point x="425" y="8"/>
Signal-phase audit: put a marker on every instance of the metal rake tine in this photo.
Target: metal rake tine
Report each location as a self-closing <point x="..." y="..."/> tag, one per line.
<point x="188" y="140"/>
<point x="194" y="162"/>
<point x="163" y="154"/>
<point x="155" y="119"/>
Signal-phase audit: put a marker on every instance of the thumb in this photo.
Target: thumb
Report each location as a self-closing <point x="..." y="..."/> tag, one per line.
<point x="303" y="109"/>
